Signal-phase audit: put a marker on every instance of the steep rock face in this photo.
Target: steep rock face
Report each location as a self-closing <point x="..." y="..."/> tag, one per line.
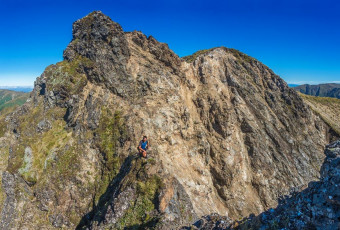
<point x="262" y="140"/>
<point x="227" y="135"/>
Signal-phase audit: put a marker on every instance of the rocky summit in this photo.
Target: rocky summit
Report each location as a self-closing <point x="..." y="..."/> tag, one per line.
<point x="226" y="135"/>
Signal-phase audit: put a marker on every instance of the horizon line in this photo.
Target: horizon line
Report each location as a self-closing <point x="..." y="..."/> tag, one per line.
<point x="17" y="86"/>
<point x="288" y="82"/>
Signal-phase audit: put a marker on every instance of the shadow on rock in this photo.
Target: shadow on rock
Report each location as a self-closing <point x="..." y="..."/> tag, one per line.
<point x="316" y="207"/>
<point x="99" y="211"/>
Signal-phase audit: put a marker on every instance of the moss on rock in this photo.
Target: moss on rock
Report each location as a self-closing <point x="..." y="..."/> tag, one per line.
<point x="111" y="134"/>
<point x="241" y="56"/>
<point x="142" y="212"/>
<point x="68" y="77"/>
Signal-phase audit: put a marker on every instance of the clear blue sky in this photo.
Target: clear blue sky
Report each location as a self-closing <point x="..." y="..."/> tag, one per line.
<point x="299" y="40"/>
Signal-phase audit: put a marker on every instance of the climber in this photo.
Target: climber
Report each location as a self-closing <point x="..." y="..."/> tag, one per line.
<point x="143" y="146"/>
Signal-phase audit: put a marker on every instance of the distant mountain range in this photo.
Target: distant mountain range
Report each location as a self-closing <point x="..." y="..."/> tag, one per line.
<point x="9" y="98"/>
<point x="321" y="90"/>
<point x="24" y="89"/>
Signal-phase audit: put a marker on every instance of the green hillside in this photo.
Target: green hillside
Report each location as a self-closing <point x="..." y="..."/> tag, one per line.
<point x="10" y="98"/>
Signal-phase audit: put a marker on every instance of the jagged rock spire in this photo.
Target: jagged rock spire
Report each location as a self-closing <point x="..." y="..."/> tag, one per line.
<point x="96" y="36"/>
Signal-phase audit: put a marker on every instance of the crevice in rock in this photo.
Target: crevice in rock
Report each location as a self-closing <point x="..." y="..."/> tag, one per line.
<point x="99" y="211"/>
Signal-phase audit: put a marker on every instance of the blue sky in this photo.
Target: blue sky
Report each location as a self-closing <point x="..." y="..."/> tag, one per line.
<point x="299" y="40"/>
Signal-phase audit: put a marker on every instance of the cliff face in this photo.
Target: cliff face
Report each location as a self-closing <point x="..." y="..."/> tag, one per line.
<point x="227" y="135"/>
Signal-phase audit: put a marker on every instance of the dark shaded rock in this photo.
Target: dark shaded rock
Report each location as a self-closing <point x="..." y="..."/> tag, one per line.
<point x="103" y="41"/>
<point x="9" y="210"/>
<point x="316" y="207"/>
<point x="212" y="222"/>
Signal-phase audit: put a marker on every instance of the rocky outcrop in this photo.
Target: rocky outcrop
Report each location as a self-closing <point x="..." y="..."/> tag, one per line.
<point x="227" y="136"/>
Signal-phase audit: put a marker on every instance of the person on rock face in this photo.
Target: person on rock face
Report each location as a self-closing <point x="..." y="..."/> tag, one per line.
<point x="143" y="146"/>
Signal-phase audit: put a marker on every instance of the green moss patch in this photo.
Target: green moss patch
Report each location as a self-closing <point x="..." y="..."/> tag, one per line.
<point x="141" y="213"/>
<point x="68" y="162"/>
<point x="111" y="130"/>
<point x="17" y="159"/>
<point x="111" y="133"/>
<point x="3" y="127"/>
<point x="68" y="77"/>
<point x="43" y="145"/>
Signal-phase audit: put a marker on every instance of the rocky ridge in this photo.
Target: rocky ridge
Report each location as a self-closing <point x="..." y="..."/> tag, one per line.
<point x="227" y="136"/>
